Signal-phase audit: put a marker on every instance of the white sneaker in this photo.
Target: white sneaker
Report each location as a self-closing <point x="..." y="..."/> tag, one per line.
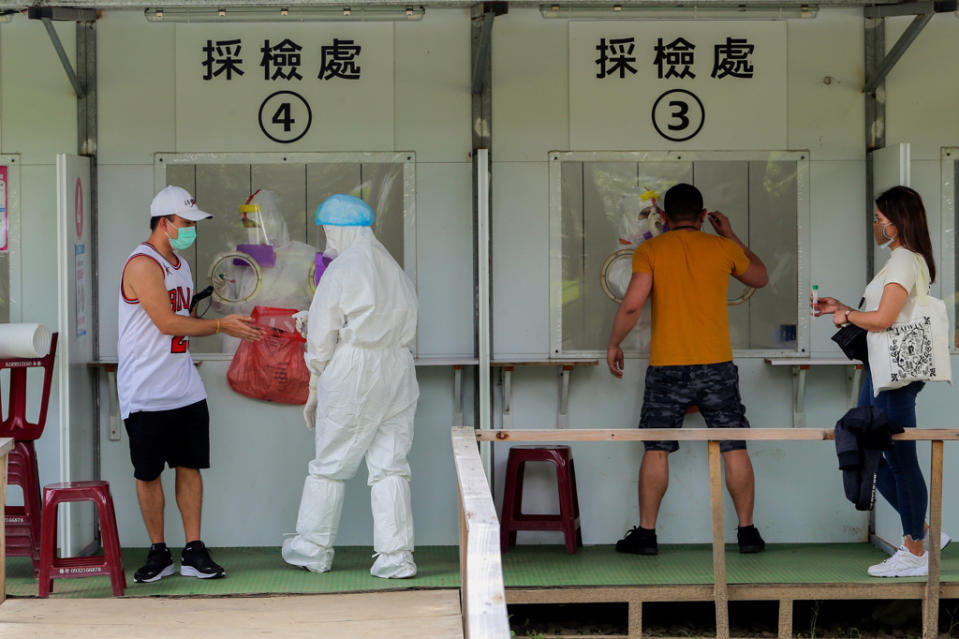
<point x="902" y="564"/>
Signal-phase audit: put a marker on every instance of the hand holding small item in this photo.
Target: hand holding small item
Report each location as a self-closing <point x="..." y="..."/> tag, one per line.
<point x="241" y="326"/>
<point x="829" y="305"/>
<point x="721" y="224"/>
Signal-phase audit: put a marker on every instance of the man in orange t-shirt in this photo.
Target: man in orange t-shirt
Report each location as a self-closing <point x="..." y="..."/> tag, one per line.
<point x="686" y="272"/>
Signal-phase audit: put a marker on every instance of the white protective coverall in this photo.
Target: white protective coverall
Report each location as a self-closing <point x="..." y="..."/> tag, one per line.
<point x="361" y="325"/>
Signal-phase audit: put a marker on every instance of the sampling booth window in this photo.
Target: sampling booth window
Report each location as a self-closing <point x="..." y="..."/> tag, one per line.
<point x="603" y="205"/>
<point x="260" y="247"/>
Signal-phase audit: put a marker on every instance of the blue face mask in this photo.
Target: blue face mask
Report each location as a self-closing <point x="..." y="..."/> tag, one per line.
<point x="185" y="238"/>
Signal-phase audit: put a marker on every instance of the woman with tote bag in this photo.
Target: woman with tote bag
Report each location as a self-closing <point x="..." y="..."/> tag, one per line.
<point x="899" y="223"/>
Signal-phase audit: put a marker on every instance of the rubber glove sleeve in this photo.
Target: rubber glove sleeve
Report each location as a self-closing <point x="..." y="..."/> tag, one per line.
<point x="309" y="409"/>
<point x="302" y="319"/>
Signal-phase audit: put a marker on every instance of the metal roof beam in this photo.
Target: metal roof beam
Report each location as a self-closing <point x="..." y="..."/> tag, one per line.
<point x="482" y="55"/>
<point x="19" y="5"/>
<point x="902" y="44"/>
<point x="62" y="14"/>
<point x="64" y="60"/>
<point x="909" y="9"/>
<point x="47" y="15"/>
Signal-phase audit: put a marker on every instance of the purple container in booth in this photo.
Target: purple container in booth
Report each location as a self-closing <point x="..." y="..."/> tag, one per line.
<point x="264" y="254"/>
<point x="322" y="262"/>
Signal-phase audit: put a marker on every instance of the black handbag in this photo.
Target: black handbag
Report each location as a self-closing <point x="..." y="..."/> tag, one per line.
<point x="852" y="341"/>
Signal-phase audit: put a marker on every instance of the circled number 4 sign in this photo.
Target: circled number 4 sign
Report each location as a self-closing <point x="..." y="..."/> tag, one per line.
<point x="678" y="115"/>
<point x="285" y="116"/>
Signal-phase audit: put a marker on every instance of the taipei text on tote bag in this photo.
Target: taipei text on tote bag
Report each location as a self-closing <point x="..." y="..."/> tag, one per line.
<point x="915" y="349"/>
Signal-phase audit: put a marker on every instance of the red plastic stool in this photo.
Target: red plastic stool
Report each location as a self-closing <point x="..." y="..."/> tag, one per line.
<point x="514" y="519"/>
<point x="23" y="522"/>
<point x="109" y="563"/>
<point x="16" y="424"/>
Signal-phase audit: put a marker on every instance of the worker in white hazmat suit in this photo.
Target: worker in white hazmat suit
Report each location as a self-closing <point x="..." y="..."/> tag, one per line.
<point x="363" y="393"/>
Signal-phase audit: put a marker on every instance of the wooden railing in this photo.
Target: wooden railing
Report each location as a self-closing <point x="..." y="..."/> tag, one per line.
<point x="720" y="596"/>
<point x="482" y="595"/>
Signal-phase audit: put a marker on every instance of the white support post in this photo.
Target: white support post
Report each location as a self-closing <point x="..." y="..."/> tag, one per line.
<point x="799" y="394"/>
<point x="483" y="300"/>
<point x="457" y="395"/>
<point x="562" y="417"/>
<point x="116" y="424"/>
<point x="855" y="380"/>
<point x="507" y="375"/>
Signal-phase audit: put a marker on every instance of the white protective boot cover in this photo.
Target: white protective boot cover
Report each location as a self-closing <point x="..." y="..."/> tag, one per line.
<point x="316" y="525"/>
<point x="392" y="528"/>
<point x="392" y="514"/>
<point x="394" y="565"/>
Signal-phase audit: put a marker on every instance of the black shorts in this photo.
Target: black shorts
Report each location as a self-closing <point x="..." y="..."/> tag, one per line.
<point x="714" y="388"/>
<point x="178" y="437"/>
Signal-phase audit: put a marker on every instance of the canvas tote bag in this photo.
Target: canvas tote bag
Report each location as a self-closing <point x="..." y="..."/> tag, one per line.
<point x="916" y="347"/>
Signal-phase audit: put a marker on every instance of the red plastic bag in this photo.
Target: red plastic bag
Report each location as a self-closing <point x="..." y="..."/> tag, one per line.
<point x="273" y="368"/>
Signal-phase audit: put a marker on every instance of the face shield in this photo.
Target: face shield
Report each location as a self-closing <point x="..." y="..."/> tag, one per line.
<point x="263" y="219"/>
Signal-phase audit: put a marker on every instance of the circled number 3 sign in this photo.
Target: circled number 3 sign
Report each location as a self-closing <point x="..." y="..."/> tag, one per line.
<point x="678" y="115"/>
<point x="285" y="117"/>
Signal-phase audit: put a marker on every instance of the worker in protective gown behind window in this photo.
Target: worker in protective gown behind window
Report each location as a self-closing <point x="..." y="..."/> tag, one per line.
<point x="363" y="391"/>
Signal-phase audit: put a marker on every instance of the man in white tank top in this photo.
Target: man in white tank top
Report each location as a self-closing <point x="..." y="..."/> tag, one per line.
<point x="162" y="399"/>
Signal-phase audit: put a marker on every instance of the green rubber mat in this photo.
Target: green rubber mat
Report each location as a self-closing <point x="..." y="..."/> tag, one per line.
<point x="550" y="566"/>
<point x="261" y="570"/>
<point x="253" y="571"/>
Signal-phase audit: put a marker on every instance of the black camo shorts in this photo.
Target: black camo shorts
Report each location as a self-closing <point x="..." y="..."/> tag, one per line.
<point x="714" y="388"/>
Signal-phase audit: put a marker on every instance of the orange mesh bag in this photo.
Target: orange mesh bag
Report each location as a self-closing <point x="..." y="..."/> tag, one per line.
<point x="272" y="369"/>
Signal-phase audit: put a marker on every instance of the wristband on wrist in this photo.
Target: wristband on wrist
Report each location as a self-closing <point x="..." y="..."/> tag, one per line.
<point x="217" y="326"/>
<point x="848" y="311"/>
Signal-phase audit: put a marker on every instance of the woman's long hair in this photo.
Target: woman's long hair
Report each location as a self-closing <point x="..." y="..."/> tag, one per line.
<point x="904" y="208"/>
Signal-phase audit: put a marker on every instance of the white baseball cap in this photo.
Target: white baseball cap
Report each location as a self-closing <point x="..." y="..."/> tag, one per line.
<point x="174" y="200"/>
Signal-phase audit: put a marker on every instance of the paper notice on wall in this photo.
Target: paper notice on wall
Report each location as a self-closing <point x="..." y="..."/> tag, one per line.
<point x="80" y="261"/>
<point x="3" y="208"/>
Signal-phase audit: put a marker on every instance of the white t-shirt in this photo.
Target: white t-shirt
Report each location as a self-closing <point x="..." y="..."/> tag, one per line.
<point x="900" y="269"/>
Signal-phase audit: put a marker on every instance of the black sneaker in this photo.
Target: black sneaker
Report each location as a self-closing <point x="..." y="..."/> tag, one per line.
<point x="159" y="565"/>
<point x="749" y="539"/>
<point x="196" y="562"/>
<point x="638" y="541"/>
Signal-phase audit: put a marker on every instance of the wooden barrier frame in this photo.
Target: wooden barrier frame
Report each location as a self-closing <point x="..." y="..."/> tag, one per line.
<point x="931" y="591"/>
<point x="482" y="595"/>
